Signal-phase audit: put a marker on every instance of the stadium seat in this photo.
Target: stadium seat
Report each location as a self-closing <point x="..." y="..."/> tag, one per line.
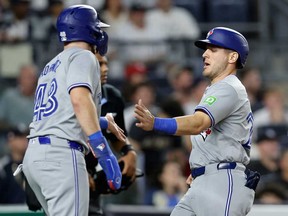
<point x="227" y="10"/>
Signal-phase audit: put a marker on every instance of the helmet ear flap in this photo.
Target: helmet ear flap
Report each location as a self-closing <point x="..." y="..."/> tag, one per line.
<point x="102" y="43"/>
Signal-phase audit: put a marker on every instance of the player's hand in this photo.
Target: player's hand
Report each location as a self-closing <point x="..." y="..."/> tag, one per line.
<point x="114" y="128"/>
<point x="144" y="116"/>
<point x="92" y="184"/>
<point x="129" y="165"/>
<point x="189" y="180"/>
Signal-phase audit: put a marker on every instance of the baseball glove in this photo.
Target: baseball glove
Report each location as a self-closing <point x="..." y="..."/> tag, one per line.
<point x="102" y="186"/>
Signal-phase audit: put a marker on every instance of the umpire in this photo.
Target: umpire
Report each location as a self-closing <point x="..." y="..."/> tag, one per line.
<point x="111" y="102"/>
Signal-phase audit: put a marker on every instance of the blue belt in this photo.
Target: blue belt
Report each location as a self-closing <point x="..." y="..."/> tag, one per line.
<point x="44" y="140"/>
<point x="222" y="165"/>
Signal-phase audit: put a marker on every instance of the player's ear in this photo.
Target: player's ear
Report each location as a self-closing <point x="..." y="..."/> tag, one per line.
<point x="233" y="57"/>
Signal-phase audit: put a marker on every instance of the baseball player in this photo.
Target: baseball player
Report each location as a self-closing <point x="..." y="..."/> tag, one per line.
<point x="223" y="125"/>
<point x="111" y="102"/>
<point x="66" y="115"/>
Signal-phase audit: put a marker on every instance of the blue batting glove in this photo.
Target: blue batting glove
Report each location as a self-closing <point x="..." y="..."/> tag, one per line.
<point x="101" y="150"/>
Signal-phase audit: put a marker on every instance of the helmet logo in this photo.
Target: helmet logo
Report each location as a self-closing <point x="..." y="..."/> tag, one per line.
<point x="63" y="36"/>
<point x="210" y="33"/>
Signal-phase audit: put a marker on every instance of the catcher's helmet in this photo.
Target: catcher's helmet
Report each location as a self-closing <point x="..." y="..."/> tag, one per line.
<point x="229" y="39"/>
<point x="81" y="23"/>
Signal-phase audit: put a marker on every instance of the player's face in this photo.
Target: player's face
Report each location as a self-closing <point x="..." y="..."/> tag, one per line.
<point x="215" y="61"/>
<point x="103" y="68"/>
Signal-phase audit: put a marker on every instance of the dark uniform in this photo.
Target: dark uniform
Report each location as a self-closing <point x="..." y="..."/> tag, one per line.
<point x="11" y="188"/>
<point x="112" y="102"/>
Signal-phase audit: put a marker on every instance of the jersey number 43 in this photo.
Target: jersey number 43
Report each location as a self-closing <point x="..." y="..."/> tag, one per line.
<point x="45" y="103"/>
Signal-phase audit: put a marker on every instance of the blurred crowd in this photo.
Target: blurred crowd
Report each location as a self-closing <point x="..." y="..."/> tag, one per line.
<point x="147" y="61"/>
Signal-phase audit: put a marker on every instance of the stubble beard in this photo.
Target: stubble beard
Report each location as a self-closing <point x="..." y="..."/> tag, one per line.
<point x="214" y="72"/>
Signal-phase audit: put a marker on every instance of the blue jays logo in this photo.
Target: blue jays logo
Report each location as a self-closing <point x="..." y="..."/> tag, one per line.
<point x="101" y="146"/>
<point x="210" y="33"/>
<point x="206" y="133"/>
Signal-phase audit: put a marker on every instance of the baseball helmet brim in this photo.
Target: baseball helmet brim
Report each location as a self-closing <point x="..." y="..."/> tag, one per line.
<point x="202" y="43"/>
<point x="103" y="25"/>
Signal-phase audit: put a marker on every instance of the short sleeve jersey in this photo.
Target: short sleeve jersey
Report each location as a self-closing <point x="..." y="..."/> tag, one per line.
<point x="229" y="137"/>
<point x="53" y="110"/>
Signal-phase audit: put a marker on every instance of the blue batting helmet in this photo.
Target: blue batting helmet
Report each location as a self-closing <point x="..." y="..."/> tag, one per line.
<point x="228" y="39"/>
<point x="81" y="23"/>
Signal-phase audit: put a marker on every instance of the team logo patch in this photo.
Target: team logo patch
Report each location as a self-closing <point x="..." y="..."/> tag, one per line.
<point x="210" y="100"/>
<point x="101" y="146"/>
<point x="210" y="33"/>
<point x="206" y="133"/>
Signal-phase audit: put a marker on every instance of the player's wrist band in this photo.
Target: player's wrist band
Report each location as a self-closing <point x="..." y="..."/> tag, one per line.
<point x="125" y="149"/>
<point x="165" y="125"/>
<point x="103" y="123"/>
<point x="98" y="145"/>
<point x="96" y="136"/>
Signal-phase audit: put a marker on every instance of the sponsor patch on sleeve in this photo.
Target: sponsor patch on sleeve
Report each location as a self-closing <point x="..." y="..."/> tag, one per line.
<point x="210" y="100"/>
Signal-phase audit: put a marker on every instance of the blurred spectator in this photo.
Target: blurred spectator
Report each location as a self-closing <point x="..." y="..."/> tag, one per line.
<point x="181" y="79"/>
<point x="115" y="14"/>
<point x="45" y="27"/>
<point x="271" y="194"/>
<point x="16" y="23"/>
<point x="145" y="91"/>
<point x="251" y="79"/>
<point x="142" y="41"/>
<point x="268" y="148"/>
<point x="174" y="22"/>
<point x="172" y="185"/>
<point x="274" y="111"/>
<point x="147" y="4"/>
<point x="4" y="5"/>
<point x="96" y="4"/>
<point x="198" y="88"/>
<point x="281" y="177"/>
<point x="134" y="74"/>
<point x="179" y="147"/>
<point x="39" y="6"/>
<point x="44" y="34"/>
<point x="12" y="188"/>
<point x="17" y="103"/>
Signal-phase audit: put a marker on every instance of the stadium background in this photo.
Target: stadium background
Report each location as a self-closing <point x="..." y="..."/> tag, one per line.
<point x="263" y="22"/>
